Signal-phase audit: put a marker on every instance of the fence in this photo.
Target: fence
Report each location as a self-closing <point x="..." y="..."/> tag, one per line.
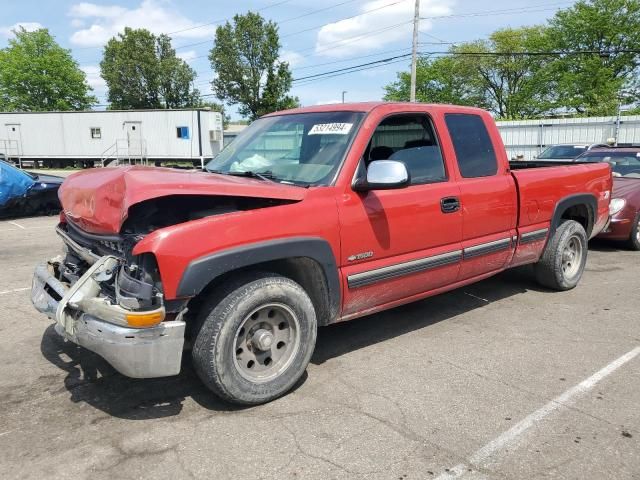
<point x="530" y="137"/>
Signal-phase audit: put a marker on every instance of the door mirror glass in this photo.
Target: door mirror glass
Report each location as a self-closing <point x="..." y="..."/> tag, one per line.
<point x="384" y="175"/>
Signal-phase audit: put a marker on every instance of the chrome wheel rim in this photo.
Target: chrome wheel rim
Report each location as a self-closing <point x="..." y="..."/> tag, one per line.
<point x="572" y="257"/>
<point x="638" y="232"/>
<point x="266" y="342"/>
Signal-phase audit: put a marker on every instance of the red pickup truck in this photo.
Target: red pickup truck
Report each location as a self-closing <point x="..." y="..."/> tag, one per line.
<point x="310" y="217"/>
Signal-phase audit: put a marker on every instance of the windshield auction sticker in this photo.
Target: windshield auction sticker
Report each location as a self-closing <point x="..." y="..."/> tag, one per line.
<point x="330" y="129"/>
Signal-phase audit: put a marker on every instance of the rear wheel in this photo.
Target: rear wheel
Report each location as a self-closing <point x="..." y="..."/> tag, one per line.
<point x="256" y="339"/>
<point x="564" y="258"/>
<point x="634" y="238"/>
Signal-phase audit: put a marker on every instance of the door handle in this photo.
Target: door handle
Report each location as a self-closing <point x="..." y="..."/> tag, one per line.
<point x="449" y="204"/>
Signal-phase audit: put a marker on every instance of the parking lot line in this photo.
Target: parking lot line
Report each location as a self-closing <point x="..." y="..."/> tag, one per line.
<point x="17" y="225"/>
<point x="506" y="438"/>
<point x="4" y="292"/>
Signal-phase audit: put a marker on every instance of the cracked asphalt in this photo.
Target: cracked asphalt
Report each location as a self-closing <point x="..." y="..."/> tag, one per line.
<point x="406" y="394"/>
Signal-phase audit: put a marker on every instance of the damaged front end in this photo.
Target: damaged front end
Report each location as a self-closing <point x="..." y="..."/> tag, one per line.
<point x="110" y="302"/>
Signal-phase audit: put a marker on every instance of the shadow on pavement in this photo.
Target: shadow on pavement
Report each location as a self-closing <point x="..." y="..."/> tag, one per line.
<point x="92" y="380"/>
<point x="341" y="338"/>
<point x="602" y="245"/>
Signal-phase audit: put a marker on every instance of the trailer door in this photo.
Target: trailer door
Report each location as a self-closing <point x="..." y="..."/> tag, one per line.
<point x="13" y="147"/>
<point x="134" y="138"/>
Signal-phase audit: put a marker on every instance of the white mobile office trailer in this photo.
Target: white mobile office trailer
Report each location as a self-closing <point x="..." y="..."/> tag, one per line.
<point x="99" y="137"/>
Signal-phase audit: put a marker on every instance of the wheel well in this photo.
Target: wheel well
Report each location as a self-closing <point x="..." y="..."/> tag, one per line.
<point x="580" y="213"/>
<point x="302" y="270"/>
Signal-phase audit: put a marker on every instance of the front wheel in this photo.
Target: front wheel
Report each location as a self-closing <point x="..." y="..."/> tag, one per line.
<point x="634" y="238"/>
<point x="564" y="258"/>
<point x="256" y="339"/>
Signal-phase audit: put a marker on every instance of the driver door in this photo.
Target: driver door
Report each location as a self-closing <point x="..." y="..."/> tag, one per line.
<point x="398" y="244"/>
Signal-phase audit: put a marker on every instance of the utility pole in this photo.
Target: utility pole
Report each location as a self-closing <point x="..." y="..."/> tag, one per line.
<point x="414" y="50"/>
<point x="343" y="92"/>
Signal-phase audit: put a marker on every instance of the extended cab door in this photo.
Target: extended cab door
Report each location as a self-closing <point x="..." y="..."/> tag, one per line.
<point x="487" y="194"/>
<point x="397" y="244"/>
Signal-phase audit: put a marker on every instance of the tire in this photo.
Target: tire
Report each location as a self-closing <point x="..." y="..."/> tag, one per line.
<point x="236" y="325"/>
<point x="634" y="239"/>
<point x="564" y="258"/>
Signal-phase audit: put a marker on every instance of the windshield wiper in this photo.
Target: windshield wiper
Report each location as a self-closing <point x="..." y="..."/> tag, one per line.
<point x="266" y="176"/>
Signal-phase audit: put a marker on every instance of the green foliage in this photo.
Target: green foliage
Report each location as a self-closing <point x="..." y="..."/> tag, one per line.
<point x="142" y="71"/>
<point x="510" y="86"/>
<point x="36" y="74"/>
<point x="440" y="80"/>
<point x="484" y="74"/>
<point x="595" y="83"/>
<point x="248" y="72"/>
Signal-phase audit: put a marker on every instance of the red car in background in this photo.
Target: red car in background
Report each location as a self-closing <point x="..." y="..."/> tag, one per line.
<point x="625" y="197"/>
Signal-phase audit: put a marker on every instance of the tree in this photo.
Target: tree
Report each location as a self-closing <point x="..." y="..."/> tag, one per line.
<point x="37" y="74"/>
<point x="515" y="84"/>
<point x="595" y="83"/>
<point x="142" y="71"/>
<point x="248" y="71"/>
<point x="492" y="74"/>
<point x="440" y="80"/>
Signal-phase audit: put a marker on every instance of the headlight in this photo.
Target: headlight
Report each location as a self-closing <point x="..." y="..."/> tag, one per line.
<point x="616" y="205"/>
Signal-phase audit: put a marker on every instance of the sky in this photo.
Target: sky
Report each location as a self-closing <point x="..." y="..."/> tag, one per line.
<point x="316" y="37"/>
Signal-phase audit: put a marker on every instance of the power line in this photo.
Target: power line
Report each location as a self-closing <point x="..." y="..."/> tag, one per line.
<point x="529" y="9"/>
<point x="342" y="19"/>
<point x="398" y="58"/>
<point x="204" y="24"/>
<point x="384" y="60"/>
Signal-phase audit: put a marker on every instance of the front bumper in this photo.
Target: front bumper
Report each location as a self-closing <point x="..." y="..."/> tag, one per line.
<point x="81" y="316"/>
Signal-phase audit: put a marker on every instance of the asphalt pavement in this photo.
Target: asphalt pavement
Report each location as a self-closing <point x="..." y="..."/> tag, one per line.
<point x="500" y="379"/>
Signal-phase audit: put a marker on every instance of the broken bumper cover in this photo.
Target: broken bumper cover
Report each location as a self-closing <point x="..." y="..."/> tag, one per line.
<point x="134" y="352"/>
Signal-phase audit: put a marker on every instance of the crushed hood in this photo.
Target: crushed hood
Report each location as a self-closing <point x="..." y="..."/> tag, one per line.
<point x="98" y="200"/>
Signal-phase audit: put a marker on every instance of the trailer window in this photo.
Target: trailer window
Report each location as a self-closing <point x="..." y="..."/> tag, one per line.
<point x="182" y="132"/>
<point x="96" y="132"/>
<point x="472" y="144"/>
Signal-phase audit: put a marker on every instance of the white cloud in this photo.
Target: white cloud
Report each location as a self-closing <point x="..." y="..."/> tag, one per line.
<point x="293" y="58"/>
<point x="94" y="79"/>
<point x="108" y="20"/>
<point x="78" y="23"/>
<point x="28" y="26"/>
<point x="359" y="35"/>
<point x="328" y="102"/>
<point x="186" y="56"/>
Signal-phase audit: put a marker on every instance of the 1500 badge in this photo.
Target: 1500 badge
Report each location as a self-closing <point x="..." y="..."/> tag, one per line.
<point x="360" y="256"/>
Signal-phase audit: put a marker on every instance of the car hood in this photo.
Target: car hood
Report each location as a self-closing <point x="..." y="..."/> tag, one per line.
<point x="626" y="188"/>
<point x="98" y="200"/>
<point x="49" y="180"/>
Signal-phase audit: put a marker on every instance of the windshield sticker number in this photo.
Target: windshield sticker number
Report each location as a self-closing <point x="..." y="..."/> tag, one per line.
<point x="331" y="129"/>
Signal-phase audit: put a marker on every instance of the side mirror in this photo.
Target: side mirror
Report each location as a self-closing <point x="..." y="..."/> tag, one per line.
<point x="384" y="175"/>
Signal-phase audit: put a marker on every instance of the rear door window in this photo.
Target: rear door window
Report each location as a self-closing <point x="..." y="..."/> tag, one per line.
<point x="472" y="144"/>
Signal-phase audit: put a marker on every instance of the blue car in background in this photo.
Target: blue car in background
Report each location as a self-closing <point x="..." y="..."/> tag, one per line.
<point x="24" y="193"/>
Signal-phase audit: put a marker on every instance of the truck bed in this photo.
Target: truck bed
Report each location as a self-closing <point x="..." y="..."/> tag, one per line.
<point x="540" y="184"/>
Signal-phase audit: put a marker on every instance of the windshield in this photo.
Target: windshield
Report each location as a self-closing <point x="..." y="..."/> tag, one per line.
<point x="303" y="148"/>
<point x="563" y="151"/>
<point x="623" y="164"/>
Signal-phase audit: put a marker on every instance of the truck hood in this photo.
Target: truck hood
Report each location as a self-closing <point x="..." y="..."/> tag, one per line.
<point x="98" y="201"/>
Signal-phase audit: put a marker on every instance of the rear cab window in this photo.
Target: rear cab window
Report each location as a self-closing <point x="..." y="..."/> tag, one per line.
<point x="475" y="154"/>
